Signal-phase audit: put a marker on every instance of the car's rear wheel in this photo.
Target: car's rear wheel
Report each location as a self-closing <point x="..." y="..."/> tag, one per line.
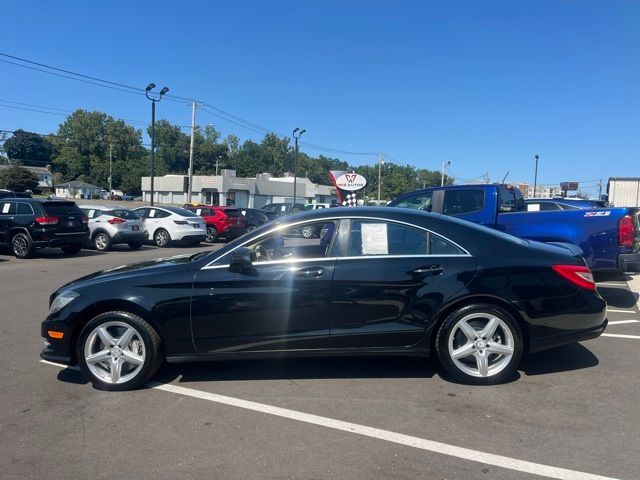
<point x="212" y="235"/>
<point x="135" y="245"/>
<point x="72" y="249"/>
<point x="480" y="344"/>
<point x="162" y="238"/>
<point x="22" y="245"/>
<point x="118" y="351"/>
<point x="102" y="241"/>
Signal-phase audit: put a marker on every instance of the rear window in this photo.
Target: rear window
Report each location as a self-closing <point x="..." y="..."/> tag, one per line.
<point x="419" y="201"/>
<point x="180" y="211"/>
<point x="124" y="214"/>
<point x="457" y="202"/>
<point x="230" y="212"/>
<point x="61" y="208"/>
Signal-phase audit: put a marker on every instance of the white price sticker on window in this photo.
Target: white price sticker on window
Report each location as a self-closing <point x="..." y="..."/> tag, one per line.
<point x="152" y="213"/>
<point x="5" y="207"/>
<point x="374" y="239"/>
<point x="533" y="207"/>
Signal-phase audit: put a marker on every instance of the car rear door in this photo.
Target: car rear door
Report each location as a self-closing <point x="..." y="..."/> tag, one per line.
<point x="389" y="280"/>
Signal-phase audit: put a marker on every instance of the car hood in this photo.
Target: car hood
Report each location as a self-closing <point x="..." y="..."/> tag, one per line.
<point x="141" y="268"/>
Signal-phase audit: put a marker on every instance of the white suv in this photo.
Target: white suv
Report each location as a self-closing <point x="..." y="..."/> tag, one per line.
<point x="168" y="224"/>
<point x="109" y="225"/>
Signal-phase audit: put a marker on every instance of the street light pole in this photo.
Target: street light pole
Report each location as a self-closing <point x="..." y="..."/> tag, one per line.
<point x="295" y="161"/>
<point x="442" y="177"/>
<point x="535" y="178"/>
<point x="380" y="162"/>
<point x="164" y="90"/>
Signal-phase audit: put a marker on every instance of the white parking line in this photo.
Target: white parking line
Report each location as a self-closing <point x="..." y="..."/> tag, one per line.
<point x="620" y="311"/>
<point x="620" y="322"/>
<point x="386" y="435"/>
<point x="616" y="335"/>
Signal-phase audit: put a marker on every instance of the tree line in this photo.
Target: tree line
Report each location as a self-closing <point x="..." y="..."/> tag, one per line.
<point x="83" y="142"/>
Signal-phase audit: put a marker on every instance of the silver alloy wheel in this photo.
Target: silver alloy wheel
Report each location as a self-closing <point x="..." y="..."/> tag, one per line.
<point x="101" y="241"/>
<point x="212" y="234"/>
<point x="114" y="352"/>
<point x="20" y="245"/>
<point x="162" y="238"/>
<point x="307" y="232"/>
<point x="481" y="345"/>
<point x="251" y="228"/>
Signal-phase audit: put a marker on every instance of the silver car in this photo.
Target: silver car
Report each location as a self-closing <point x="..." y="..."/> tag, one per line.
<point x="109" y="225"/>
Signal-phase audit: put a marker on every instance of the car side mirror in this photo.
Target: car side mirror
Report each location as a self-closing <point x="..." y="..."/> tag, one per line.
<point x="241" y="260"/>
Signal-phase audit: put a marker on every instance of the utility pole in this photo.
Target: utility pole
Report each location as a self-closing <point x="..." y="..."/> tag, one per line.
<point x="295" y="161"/>
<point x="193" y="139"/>
<point x="217" y="164"/>
<point x="600" y="189"/>
<point x="154" y="99"/>
<point x="110" y="170"/>
<point x="380" y="162"/>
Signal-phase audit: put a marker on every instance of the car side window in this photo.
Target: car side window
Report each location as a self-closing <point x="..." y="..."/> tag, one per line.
<point x="457" y="202"/>
<point x="143" y="212"/>
<point x="7" y="208"/>
<point x="419" y="201"/>
<point x="310" y="240"/>
<point x="24" y="209"/>
<point x="371" y="238"/>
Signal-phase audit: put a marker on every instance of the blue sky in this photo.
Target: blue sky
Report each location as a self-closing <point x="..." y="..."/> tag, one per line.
<point x="484" y="84"/>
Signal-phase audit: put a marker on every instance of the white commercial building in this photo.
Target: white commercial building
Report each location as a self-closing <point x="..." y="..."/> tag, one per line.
<point x="77" y="189"/>
<point x="624" y="191"/>
<point x="227" y="189"/>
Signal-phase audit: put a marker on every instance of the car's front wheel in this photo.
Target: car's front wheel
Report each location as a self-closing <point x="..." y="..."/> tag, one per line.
<point x="212" y="235"/>
<point x="118" y="351"/>
<point x="480" y="344"/>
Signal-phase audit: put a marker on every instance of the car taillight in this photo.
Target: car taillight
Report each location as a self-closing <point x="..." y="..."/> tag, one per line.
<point x="115" y="221"/>
<point x="625" y="231"/>
<point x="576" y="274"/>
<point x="47" y="220"/>
<point x="85" y="219"/>
<point x="180" y="222"/>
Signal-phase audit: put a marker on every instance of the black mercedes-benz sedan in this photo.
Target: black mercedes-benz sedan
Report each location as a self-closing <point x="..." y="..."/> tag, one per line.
<point x="377" y="281"/>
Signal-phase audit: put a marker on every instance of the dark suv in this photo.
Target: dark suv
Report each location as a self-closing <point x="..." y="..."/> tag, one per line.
<point x="27" y="224"/>
<point x="274" y="210"/>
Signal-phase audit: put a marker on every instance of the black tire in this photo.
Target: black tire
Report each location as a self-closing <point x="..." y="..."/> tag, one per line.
<point x="72" y="249"/>
<point x="101" y="242"/>
<point x="135" y="245"/>
<point x="503" y="365"/>
<point x="22" y="245"/>
<point x="162" y="238"/>
<point x="212" y="235"/>
<point x="153" y="356"/>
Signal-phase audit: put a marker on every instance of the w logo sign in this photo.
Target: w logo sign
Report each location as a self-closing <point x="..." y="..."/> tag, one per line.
<point x="350" y="182"/>
<point x="351" y="177"/>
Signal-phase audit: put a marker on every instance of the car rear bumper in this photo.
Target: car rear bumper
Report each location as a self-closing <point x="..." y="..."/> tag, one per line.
<point x="60" y="240"/>
<point x="629" y="262"/>
<point x="127" y="237"/>
<point x="192" y="238"/>
<point x="551" y="341"/>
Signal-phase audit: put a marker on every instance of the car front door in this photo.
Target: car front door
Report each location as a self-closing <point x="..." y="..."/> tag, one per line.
<point x="282" y="301"/>
<point x="389" y="280"/>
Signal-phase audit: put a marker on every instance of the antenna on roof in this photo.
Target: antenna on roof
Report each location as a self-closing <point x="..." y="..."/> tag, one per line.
<point x="505" y="176"/>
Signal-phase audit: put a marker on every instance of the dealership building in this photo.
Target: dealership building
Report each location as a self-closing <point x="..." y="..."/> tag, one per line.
<point x="227" y="189"/>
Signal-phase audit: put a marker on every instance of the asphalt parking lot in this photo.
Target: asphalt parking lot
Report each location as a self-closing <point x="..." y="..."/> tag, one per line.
<point x="571" y="413"/>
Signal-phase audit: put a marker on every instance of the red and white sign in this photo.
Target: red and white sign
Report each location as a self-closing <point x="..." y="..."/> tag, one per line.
<point x="351" y="182"/>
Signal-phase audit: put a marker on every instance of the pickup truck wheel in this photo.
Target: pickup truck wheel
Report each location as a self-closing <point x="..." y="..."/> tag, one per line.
<point x="161" y="238"/>
<point x="118" y="351"/>
<point x="212" y="235"/>
<point x="22" y="245"/>
<point x="72" y="249"/>
<point x="308" y="231"/>
<point x="480" y="344"/>
<point x="102" y="242"/>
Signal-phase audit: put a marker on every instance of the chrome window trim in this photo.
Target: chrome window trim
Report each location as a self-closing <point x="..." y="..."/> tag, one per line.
<point x="336" y="219"/>
<point x="24" y="203"/>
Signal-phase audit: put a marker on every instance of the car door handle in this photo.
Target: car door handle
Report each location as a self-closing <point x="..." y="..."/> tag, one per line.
<point x="307" y="272"/>
<point x="428" y="270"/>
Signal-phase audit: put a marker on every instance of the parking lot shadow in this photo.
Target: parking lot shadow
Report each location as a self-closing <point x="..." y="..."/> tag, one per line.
<point x="619" y="297"/>
<point x="574" y="356"/>
<point x="300" y="368"/>
<point x="71" y="375"/>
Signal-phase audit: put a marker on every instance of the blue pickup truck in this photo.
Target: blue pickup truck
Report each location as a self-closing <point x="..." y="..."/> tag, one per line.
<point x="609" y="238"/>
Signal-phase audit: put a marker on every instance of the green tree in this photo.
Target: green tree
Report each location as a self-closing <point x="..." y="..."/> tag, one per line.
<point x="172" y="148"/>
<point x="18" y="179"/>
<point x="28" y="147"/>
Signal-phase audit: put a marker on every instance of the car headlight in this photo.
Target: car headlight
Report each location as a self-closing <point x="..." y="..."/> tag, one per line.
<point x="62" y="301"/>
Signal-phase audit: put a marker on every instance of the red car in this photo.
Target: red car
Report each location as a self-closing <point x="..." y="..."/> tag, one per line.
<point x="227" y="222"/>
